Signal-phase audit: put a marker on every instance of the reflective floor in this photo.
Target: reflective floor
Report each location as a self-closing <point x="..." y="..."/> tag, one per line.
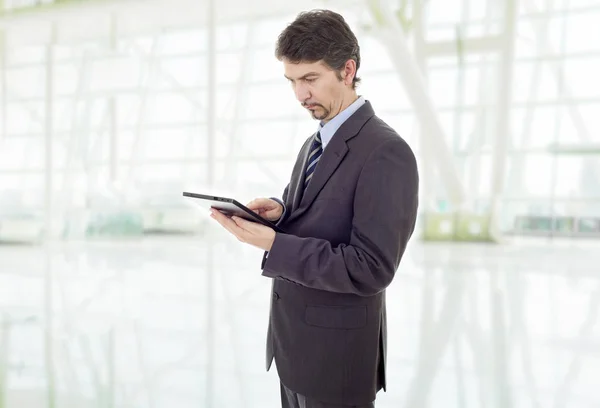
<point x="180" y="322"/>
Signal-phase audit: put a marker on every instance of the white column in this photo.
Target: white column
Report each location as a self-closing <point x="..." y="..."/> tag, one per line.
<point x="210" y="175"/>
<point x="502" y="140"/>
<point x="4" y="350"/>
<point x="499" y="338"/>
<point x="3" y="85"/>
<point x="114" y="137"/>
<point x="48" y="133"/>
<point x="49" y="330"/>
<point x="241" y="100"/>
<point x="212" y="92"/>
<point x="111" y="362"/>
<point x="49" y="220"/>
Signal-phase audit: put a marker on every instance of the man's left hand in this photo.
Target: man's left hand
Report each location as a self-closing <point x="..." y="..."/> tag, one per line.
<point x="245" y="231"/>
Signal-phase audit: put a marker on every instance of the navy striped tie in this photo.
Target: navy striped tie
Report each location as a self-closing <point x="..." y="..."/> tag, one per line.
<point x="313" y="158"/>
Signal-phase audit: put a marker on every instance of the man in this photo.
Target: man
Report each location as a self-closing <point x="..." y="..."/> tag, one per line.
<point x="347" y="212"/>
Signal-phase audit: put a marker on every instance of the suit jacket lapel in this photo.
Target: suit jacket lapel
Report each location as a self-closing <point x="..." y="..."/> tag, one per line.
<point x="332" y="156"/>
<point x="298" y="175"/>
<point x="328" y="163"/>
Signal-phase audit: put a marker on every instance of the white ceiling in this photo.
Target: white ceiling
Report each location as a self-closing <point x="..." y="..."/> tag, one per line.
<point x="91" y="19"/>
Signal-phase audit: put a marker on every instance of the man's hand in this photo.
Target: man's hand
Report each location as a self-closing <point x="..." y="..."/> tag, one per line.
<point x="266" y="208"/>
<point x="245" y="231"/>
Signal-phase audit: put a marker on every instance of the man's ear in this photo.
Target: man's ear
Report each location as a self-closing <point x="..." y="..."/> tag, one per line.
<point x="349" y="72"/>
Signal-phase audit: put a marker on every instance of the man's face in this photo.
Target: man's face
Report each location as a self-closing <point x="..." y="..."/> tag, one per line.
<point x="317" y="88"/>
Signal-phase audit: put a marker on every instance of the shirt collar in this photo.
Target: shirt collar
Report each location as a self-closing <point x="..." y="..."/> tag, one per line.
<point x="328" y="130"/>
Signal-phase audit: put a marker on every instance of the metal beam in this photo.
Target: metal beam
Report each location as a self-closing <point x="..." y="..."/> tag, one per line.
<point x="76" y="142"/>
<point x="14" y="8"/>
<point x="186" y="91"/>
<point x="392" y="37"/>
<point x="240" y="102"/>
<point x="515" y="175"/>
<point x="490" y="43"/>
<point x="427" y="187"/>
<point x="546" y="48"/>
<point x="162" y="13"/>
<point x="56" y="8"/>
<point x="580" y="149"/>
<point x="138" y="143"/>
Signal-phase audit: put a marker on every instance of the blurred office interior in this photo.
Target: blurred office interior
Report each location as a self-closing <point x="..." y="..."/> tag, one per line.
<point x="117" y="292"/>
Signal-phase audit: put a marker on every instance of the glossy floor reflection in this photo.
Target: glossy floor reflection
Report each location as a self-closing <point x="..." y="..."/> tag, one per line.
<point x="141" y="324"/>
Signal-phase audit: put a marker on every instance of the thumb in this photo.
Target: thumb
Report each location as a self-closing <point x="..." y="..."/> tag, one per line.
<point x="272" y="211"/>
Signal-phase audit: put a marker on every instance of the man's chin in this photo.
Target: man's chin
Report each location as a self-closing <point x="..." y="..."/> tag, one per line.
<point x="316" y="116"/>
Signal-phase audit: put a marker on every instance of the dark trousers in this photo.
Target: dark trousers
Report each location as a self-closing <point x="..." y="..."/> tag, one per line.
<point x="289" y="399"/>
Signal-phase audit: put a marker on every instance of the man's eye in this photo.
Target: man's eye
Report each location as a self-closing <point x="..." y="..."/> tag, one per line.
<point x="311" y="80"/>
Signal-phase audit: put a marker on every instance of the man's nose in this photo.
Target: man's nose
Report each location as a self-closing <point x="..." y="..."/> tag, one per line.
<point x="302" y="93"/>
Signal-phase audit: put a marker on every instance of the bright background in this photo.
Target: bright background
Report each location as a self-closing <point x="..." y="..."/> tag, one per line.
<point x="115" y="291"/>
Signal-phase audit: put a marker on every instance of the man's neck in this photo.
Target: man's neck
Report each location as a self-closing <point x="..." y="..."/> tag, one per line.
<point x="347" y="101"/>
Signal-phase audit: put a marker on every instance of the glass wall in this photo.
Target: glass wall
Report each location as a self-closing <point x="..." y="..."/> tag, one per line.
<point x="128" y="109"/>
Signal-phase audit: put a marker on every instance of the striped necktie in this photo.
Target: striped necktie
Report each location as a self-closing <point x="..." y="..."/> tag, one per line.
<point x="313" y="158"/>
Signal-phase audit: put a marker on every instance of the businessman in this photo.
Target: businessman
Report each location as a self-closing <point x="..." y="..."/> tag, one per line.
<point x="348" y="213"/>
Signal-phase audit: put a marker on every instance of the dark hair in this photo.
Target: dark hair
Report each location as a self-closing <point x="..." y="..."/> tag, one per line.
<point x="319" y="35"/>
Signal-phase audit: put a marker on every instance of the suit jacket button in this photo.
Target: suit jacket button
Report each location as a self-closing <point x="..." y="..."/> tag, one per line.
<point x="275" y="295"/>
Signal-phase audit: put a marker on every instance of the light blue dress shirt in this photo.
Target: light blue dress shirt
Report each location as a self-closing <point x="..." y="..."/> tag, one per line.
<point x="328" y="130"/>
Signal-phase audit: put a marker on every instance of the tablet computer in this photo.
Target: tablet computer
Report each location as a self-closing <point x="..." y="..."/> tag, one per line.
<point x="229" y="207"/>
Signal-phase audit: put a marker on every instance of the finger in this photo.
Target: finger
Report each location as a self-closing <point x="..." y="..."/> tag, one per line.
<point x="256" y="203"/>
<point x="241" y="223"/>
<point x="260" y="203"/>
<point x="251" y="227"/>
<point x="217" y="214"/>
<point x="256" y="208"/>
<point x="227" y="223"/>
<point x="221" y="218"/>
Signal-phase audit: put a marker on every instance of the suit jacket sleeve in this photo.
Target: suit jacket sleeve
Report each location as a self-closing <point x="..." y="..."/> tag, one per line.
<point x="280" y="220"/>
<point x="282" y="202"/>
<point x="385" y="210"/>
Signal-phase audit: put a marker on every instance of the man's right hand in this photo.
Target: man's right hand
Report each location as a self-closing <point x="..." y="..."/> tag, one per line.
<point x="266" y="208"/>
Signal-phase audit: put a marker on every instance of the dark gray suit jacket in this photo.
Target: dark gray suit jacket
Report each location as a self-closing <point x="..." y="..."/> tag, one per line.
<point x="345" y="236"/>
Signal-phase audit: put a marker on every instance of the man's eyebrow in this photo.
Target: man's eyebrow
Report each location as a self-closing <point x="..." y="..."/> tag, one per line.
<point x="304" y="76"/>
